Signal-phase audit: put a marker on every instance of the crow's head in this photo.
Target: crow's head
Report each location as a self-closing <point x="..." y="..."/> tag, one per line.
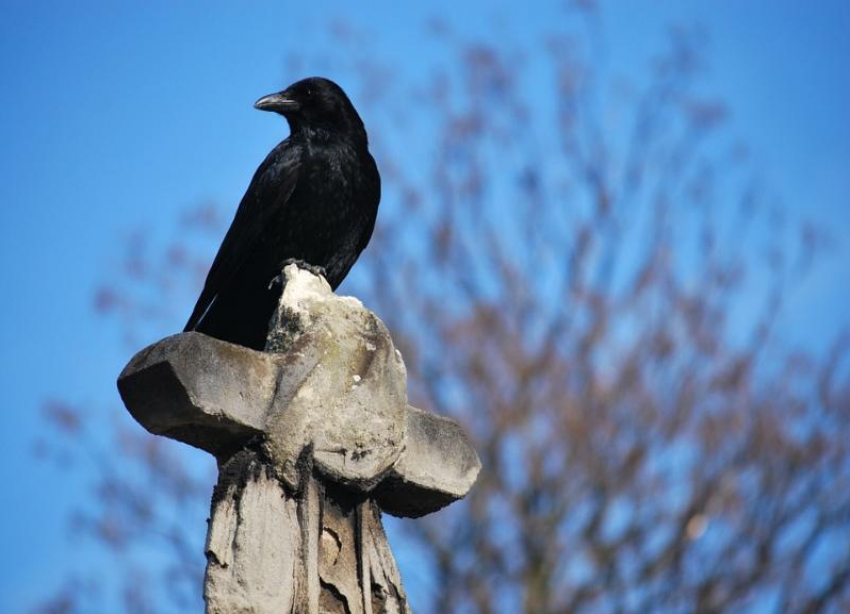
<point x="314" y="104"/>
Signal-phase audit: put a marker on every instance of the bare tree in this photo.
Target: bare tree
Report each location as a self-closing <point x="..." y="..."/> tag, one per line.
<point x="586" y="274"/>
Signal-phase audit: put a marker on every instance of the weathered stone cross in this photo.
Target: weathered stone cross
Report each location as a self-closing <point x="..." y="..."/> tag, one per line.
<point x="314" y="438"/>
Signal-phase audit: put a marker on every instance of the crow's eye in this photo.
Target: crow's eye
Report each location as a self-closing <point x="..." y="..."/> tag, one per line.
<point x="309" y="93"/>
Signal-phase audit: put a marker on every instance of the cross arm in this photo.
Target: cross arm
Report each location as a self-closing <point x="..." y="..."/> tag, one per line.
<point x="199" y="390"/>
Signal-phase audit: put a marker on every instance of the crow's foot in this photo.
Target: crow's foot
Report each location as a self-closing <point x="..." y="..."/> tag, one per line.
<point x="277" y="283"/>
<point x="319" y="271"/>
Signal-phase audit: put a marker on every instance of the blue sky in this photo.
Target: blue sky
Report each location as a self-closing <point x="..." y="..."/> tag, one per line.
<point x="117" y="115"/>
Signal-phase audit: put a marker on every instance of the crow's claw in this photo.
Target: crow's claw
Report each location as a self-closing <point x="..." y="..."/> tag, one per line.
<point x="319" y="271"/>
<point x="276" y="283"/>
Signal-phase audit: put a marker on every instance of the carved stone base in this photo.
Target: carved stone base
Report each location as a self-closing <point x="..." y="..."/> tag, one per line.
<point x="321" y="550"/>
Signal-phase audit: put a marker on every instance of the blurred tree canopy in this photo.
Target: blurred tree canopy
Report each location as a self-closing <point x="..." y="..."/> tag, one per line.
<point x="589" y="277"/>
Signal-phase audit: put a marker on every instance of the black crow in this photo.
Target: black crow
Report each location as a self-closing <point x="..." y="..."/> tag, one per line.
<point x="312" y="201"/>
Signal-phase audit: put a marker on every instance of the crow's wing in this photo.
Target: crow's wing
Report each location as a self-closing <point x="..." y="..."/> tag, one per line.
<point x="268" y="193"/>
<point x="374" y="178"/>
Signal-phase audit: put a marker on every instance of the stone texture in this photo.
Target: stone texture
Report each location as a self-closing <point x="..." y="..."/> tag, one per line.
<point x="349" y="397"/>
<point x="253" y="543"/>
<point x="438" y="466"/>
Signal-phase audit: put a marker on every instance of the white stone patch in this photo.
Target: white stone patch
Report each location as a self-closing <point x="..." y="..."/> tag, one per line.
<point x="305" y="393"/>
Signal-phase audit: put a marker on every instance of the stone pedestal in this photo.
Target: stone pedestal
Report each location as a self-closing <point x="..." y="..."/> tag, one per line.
<point x="314" y="439"/>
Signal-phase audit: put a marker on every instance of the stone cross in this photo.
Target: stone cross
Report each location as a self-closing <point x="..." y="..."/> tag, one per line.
<point x="314" y="440"/>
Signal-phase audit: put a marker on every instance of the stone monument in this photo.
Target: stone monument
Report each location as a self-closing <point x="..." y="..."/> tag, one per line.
<point x="314" y="440"/>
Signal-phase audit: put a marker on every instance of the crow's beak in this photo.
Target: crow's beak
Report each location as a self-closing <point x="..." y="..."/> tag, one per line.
<point x="279" y="103"/>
